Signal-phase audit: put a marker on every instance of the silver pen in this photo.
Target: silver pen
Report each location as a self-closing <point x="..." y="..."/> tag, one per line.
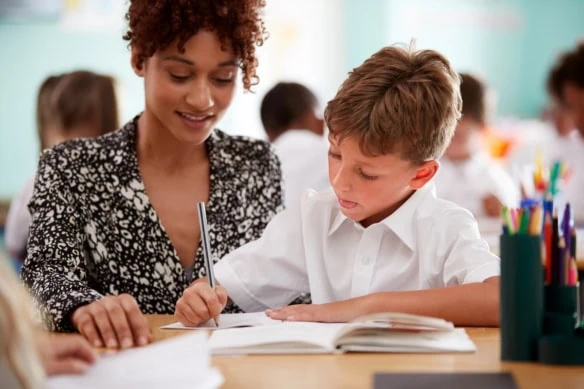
<point x="208" y="260"/>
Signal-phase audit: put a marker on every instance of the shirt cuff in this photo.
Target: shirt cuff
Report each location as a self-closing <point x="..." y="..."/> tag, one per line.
<point x="483" y="272"/>
<point x="75" y="300"/>
<point x="236" y="290"/>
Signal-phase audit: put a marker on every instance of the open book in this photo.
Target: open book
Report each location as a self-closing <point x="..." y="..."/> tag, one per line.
<point x="385" y="332"/>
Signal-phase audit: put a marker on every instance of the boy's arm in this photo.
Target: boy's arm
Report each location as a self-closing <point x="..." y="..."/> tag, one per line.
<point x="268" y="272"/>
<point x="469" y="272"/>
<point x="474" y="304"/>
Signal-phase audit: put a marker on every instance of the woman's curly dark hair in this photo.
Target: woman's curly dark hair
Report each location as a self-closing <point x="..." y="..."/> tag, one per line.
<point x="155" y="24"/>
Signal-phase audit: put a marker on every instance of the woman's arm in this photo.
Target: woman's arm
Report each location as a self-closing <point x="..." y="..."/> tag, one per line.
<point x="55" y="268"/>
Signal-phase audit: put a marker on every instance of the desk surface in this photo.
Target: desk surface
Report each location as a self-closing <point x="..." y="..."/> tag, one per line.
<point x="356" y="370"/>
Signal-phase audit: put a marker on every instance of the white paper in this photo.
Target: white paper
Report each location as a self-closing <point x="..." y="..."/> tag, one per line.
<point x="230" y="320"/>
<point x="177" y="363"/>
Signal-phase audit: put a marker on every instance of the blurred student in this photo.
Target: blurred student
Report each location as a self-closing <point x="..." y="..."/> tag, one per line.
<point x="28" y="354"/>
<point x="289" y="117"/>
<point x="541" y="140"/>
<point x="468" y="176"/>
<point x="79" y="104"/>
<point x="566" y="85"/>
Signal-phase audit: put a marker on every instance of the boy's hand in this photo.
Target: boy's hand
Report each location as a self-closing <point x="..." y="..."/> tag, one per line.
<point x="337" y="312"/>
<point x="492" y="205"/>
<point x="113" y="322"/>
<point x="64" y="353"/>
<point x="199" y="303"/>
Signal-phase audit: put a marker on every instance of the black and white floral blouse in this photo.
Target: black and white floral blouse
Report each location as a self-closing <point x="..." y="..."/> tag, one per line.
<point x="95" y="233"/>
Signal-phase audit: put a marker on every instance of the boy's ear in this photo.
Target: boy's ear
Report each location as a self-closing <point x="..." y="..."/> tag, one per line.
<point x="136" y="63"/>
<point x="424" y="173"/>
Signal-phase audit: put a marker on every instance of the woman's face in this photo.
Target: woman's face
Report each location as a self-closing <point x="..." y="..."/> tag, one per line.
<point x="187" y="93"/>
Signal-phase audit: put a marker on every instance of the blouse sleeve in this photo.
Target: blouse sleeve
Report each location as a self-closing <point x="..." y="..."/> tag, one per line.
<point x="266" y="195"/>
<point x="55" y="269"/>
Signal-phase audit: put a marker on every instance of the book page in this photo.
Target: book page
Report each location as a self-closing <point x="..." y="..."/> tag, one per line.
<point x="285" y="338"/>
<point x="402" y="321"/>
<point x="230" y="320"/>
<point x="387" y="340"/>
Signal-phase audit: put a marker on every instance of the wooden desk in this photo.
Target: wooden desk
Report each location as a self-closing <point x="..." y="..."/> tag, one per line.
<point x="356" y="370"/>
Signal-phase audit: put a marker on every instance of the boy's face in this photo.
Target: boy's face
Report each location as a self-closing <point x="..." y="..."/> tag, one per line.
<point x="369" y="189"/>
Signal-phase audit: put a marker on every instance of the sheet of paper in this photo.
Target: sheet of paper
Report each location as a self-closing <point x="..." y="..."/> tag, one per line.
<point x="176" y="363"/>
<point x="230" y="320"/>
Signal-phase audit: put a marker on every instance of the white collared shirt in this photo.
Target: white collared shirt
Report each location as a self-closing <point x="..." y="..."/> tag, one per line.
<point x="467" y="183"/>
<point x="426" y="243"/>
<point x="304" y="159"/>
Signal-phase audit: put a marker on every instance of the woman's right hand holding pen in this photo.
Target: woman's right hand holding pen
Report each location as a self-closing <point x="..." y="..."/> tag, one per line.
<point x="200" y="303"/>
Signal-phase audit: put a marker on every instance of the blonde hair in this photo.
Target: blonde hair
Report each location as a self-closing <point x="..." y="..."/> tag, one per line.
<point x="17" y="332"/>
<point x="398" y="100"/>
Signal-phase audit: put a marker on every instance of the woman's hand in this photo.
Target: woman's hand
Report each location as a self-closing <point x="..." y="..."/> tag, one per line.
<point x="113" y="322"/>
<point x="64" y="353"/>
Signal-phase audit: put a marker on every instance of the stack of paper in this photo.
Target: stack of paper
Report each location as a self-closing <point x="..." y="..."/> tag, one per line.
<point x="181" y="362"/>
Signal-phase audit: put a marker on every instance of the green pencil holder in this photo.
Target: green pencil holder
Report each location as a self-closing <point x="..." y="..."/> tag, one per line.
<point x="562" y="350"/>
<point x="521" y="297"/>
<point x="563" y="342"/>
<point x="562" y="309"/>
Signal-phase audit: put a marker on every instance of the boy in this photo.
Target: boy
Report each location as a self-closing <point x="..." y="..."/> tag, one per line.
<point x="380" y="241"/>
<point x="288" y="113"/>
<point x="467" y="175"/>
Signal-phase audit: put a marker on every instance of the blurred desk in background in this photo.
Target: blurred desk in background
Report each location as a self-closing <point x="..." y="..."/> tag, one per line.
<point x="492" y="239"/>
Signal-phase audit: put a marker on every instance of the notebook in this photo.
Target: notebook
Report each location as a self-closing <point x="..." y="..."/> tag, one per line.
<point x="386" y="332"/>
<point x="443" y="381"/>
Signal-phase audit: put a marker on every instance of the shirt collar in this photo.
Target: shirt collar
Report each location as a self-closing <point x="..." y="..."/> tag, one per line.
<point x="401" y="222"/>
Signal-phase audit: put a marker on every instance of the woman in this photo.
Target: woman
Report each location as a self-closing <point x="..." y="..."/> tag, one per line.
<point x="115" y="231"/>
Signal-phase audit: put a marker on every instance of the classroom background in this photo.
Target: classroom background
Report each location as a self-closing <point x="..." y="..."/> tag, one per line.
<point x="510" y="43"/>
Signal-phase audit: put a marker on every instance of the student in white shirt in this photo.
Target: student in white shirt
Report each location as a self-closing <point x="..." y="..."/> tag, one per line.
<point x="380" y="240"/>
<point x="541" y="139"/>
<point x="288" y="113"/>
<point x="566" y="84"/>
<point x="468" y="176"/>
